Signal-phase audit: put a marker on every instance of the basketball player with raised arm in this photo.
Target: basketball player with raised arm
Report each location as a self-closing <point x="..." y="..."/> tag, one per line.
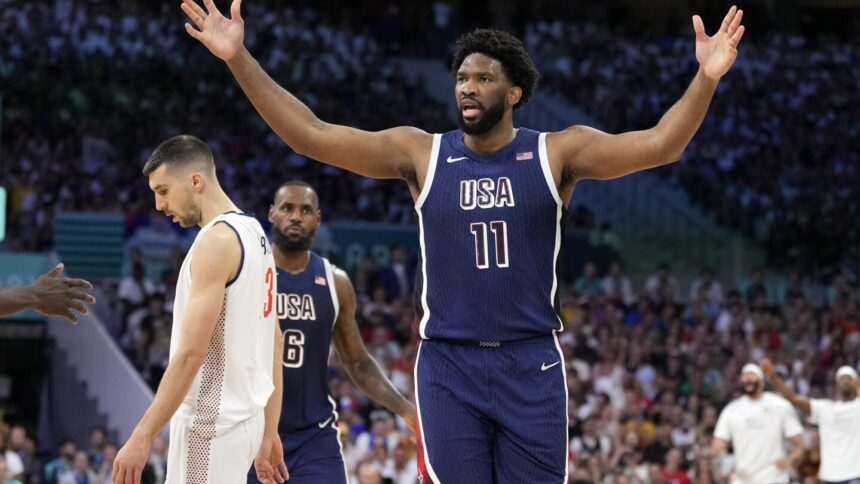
<point x="222" y="383"/>
<point x="489" y="377"/>
<point x="316" y="307"/>
<point x="838" y="424"/>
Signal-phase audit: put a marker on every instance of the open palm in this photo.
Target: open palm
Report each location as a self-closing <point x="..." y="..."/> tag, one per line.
<point x="717" y="53"/>
<point x="223" y="37"/>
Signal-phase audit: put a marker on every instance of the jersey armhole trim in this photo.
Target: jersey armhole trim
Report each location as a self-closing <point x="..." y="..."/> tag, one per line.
<point x="329" y="274"/>
<point x="547" y="170"/>
<point x="431" y="171"/>
<point x="241" y="246"/>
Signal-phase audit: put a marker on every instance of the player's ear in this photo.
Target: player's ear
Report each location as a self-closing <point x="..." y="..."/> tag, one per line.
<point x="271" y="212"/>
<point x="198" y="181"/>
<point x="319" y="216"/>
<point x="515" y="93"/>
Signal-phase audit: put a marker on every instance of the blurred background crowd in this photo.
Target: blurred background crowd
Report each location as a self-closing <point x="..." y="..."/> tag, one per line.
<point x="89" y="87"/>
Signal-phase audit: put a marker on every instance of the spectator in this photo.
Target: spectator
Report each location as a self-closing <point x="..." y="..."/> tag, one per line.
<point x="5" y="478"/>
<point x="14" y="465"/>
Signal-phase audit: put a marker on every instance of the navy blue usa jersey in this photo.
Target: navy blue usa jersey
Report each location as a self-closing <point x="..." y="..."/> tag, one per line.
<point x="307" y="308"/>
<point x="490" y="235"/>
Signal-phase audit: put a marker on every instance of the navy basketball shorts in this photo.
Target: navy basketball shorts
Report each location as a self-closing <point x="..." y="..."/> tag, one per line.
<point x="492" y="412"/>
<point x="312" y="456"/>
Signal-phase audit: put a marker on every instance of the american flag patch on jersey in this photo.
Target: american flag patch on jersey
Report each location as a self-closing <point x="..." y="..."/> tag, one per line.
<point x="528" y="155"/>
<point x="320" y="280"/>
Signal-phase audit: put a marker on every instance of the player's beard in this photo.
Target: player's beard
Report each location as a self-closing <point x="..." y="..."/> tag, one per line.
<point x="296" y="243"/>
<point x="749" y="388"/>
<point x="490" y="117"/>
<point x="849" y="393"/>
<point x="190" y="215"/>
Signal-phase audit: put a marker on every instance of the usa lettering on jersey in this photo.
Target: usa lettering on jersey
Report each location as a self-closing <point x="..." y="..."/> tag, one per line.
<point x="297" y="307"/>
<point x="486" y="193"/>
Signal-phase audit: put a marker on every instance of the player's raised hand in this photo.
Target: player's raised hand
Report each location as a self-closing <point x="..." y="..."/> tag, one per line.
<point x="223" y="37"/>
<point x="717" y="53"/>
<point x="766" y="367"/>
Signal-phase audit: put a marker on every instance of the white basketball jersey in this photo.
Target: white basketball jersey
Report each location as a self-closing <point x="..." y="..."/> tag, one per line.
<point x="235" y="381"/>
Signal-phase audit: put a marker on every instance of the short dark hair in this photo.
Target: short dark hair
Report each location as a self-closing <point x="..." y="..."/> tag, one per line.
<point x="505" y="48"/>
<point x="297" y="183"/>
<point x="181" y="150"/>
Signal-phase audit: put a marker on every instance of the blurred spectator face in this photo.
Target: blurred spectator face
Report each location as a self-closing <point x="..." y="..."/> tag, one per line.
<point x="68" y="450"/>
<point x="17" y="438"/>
<point x="367" y="474"/>
<point x="174" y="195"/>
<point x="673" y="460"/>
<point x="111" y="451"/>
<point x="590" y="270"/>
<point x="295" y="217"/>
<point x="97" y="438"/>
<point x="847" y="387"/>
<point x="82" y="461"/>
<point x="399" y="256"/>
<point x="750" y="384"/>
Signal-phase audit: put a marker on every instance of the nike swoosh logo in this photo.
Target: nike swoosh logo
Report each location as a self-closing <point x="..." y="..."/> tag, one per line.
<point x="546" y="367"/>
<point x="451" y="159"/>
<point x="325" y="423"/>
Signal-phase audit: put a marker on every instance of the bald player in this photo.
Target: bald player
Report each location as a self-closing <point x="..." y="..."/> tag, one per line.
<point x="756" y="424"/>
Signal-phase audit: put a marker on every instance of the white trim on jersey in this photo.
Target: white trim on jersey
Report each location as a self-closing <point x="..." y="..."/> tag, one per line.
<point x="431" y="171"/>
<point x="566" y="403"/>
<point x="337" y="429"/>
<point x="547" y="174"/>
<point x="425" y="453"/>
<point x="425" y="190"/>
<point x="329" y="275"/>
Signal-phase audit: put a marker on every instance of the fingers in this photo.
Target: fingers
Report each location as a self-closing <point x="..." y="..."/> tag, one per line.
<point x="56" y="271"/>
<point x="727" y="20"/>
<point x="699" y="28"/>
<point x="736" y="22"/>
<point x="210" y="7"/>
<point x="738" y="35"/>
<point x="234" y="10"/>
<point x="281" y="473"/>
<point x="78" y="283"/>
<point x="197" y="9"/>
<point x="194" y="16"/>
<point x="194" y="32"/>
<point x="82" y="296"/>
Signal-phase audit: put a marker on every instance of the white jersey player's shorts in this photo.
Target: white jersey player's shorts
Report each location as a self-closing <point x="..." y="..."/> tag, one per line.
<point x="196" y="458"/>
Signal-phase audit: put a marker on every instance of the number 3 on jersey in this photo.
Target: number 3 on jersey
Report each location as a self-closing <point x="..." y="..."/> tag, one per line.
<point x="268" y="303"/>
<point x="500" y="234"/>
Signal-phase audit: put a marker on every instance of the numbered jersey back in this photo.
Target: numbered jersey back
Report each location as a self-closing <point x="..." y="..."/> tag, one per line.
<point x="490" y="238"/>
<point x="307" y="308"/>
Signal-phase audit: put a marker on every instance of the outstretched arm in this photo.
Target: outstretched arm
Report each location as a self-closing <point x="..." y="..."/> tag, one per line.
<point x="362" y="369"/>
<point x="384" y="154"/>
<point x="50" y="295"/>
<point x="590" y="153"/>
<point x="789" y="394"/>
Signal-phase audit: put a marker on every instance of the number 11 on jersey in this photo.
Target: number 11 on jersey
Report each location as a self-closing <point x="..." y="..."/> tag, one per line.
<point x="500" y="234"/>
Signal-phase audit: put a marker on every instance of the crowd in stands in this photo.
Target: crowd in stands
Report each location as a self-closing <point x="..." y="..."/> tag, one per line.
<point x="778" y="153"/>
<point x="131" y="77"/>
<point x="649" y="368"/>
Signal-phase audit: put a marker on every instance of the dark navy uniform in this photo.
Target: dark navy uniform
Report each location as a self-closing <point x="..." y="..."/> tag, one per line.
<point x="490" y="382"/>
<point x="307" y="307"/>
